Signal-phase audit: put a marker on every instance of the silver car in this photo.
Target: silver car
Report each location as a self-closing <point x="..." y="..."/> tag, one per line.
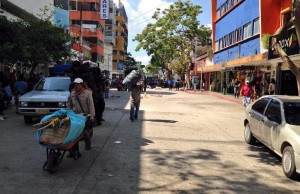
<point x="275" y="121"/>
<point x="49" y="95"/>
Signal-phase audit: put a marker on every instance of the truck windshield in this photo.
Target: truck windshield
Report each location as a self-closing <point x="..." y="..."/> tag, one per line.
<point x="53" y="84"/>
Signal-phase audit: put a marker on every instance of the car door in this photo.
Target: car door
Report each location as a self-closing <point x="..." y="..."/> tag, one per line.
<point x="256" y="114"/>
<point x="271" y="122"/>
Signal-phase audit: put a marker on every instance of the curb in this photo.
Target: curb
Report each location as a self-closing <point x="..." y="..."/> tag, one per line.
<point x="216" y="94"/>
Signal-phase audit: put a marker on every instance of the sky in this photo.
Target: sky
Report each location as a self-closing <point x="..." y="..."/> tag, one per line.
<point x="139" y="13"/>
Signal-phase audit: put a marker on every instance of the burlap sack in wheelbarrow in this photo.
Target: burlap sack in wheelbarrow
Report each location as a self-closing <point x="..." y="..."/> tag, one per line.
<point x="77" y="124"/>
<point x="55" y="136"/>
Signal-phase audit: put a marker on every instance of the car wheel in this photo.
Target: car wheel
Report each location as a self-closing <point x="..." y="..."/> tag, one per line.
<point x="27" y="119"/>
<point x="249" y="138"/>
<point x="288" y="162"/>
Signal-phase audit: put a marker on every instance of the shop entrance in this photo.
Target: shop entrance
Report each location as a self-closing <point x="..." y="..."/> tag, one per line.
<point x="288" y="85"/>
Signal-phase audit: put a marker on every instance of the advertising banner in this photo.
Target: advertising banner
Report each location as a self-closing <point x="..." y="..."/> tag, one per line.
<point x="288" y="42"/>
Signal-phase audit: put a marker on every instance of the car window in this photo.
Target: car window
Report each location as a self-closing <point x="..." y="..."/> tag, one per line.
<point x="273" y="112"/>
<point x="55" y="84"/>
<point x="260" y="105"/>
<point x="292" y="112"/>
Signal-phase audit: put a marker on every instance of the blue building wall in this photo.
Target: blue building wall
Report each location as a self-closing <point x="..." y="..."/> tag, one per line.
<point x="244" y="13"/>
<point x="250" y="47"/>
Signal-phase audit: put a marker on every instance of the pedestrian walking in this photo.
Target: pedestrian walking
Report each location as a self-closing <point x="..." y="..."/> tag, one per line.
<point x="81" y="101"/>
<point x="184" y="85"/>
<point x="177" y="85"/>
<point x="107" y="86"/>
<point x="100" y="103"/>
<point x="135" y="100"/>
<point x="21" y="88"/>
<point x="224" y="86"/>
<point x="246" y="93"/>
<point x="272" y="86"/>
<point x="236" y="87"/>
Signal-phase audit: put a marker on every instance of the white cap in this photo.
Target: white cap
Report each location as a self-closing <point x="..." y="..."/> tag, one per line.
<point x="78" y="81"/>
<point x="247" y="81"/>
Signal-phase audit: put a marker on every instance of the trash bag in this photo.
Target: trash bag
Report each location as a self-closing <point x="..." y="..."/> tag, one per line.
<point x="132" y="78"/>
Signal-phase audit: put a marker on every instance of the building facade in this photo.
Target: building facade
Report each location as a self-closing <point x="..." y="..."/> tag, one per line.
<point x="109" y="40"/>
<point x="286" y="82"/>
<point x="238" y="27"/>
<point x="87" y="29"/>
<point x="120" y="48"/>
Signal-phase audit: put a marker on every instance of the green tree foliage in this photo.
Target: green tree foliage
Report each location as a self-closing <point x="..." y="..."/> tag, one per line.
<point x="172" y="37"/>
<point x="32" y="40"/>
<point x="129" y="60"/>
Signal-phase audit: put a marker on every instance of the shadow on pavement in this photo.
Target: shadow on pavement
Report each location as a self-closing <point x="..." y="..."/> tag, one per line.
<point x="179" y="167"/>
<point x="160" y="120"/>
<point x="157" y="92"/>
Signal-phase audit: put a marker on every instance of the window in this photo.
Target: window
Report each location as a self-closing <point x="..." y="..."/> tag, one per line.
<point x="292" y="113"/>
<point x="217" y="45"/>
<point x="256" y="28"/>
<point x="226" y="43"/>
<point x="247" y="31"/>
<point x="218" y="13"/>
<point x="273" y="112"/>
<point x="61" y="4"/>
<point x="260" y="105"/>
<point x="238" y="34"/>
<point x="73" y="5"/>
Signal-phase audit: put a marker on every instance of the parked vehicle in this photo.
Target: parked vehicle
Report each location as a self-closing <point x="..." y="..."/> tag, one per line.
<point x="275" y="121"/>
<point x="48" y="95"/>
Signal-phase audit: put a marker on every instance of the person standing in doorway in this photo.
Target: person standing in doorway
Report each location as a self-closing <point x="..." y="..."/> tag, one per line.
<point x="246" y="93"/>
<point x="135" y="100"/>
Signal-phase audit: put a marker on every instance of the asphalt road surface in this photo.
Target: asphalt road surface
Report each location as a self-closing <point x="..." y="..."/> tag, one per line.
<point x="181" y="143"/>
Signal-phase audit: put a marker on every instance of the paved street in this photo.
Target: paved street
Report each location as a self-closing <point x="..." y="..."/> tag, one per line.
<point x="181" y="143"/>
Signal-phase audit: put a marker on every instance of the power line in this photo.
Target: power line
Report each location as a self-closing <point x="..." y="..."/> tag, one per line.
<point x="147" y="12"/>
<point x="143" y="21"/>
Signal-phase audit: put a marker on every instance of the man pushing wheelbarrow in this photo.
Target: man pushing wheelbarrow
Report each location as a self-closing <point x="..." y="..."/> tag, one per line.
<point x="62" y="130"/>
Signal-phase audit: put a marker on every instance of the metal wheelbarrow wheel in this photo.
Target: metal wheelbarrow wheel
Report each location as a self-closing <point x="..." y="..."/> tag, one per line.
<point x="53" y="160"/>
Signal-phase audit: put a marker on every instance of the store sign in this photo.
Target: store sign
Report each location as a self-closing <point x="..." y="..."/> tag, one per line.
<point x="288" y="42"/>
<point x="104" y="9"/>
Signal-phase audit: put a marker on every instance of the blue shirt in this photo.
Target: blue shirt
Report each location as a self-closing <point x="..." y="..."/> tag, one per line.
<point x="21" y="87"/>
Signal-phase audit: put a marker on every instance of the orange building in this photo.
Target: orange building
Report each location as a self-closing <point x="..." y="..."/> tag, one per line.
<point x="87" y="29"/>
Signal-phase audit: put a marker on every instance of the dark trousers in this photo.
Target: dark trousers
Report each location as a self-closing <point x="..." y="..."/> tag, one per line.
<point x="1" y="105"/>
<point x="99" y="109"/>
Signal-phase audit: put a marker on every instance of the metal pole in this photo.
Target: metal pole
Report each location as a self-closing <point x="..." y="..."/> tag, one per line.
<point x="201" y="79"/>
<point x="107" y="65"/>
